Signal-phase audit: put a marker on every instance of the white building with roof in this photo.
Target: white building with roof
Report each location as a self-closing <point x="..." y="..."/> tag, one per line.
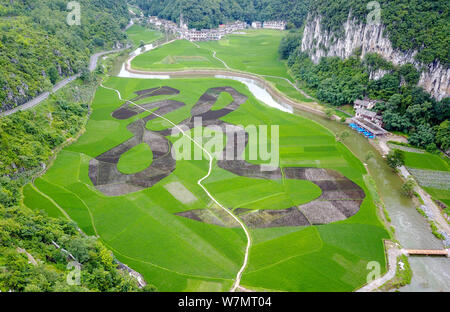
<point x="256" y="25"/>
<point x="279" y="25"/>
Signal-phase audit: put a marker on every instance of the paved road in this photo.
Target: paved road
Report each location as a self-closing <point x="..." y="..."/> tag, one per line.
<point x="43" y="96"/>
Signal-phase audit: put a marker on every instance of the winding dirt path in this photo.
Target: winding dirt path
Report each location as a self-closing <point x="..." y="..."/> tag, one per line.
<point x="228" y="71"/>
<point x="219" y="59"/>
<point x="236" y="284"/>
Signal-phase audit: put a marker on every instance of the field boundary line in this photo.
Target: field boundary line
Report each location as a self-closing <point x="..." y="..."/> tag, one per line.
<point x="292" y="84"/>
<point x="52" y="201"/>
<point x="175" y="234"/>
<point x="214" y="54"/>
<point x="268" y="76"/>
<point x="87" y="208"/>
<point x="217" y="58"/>
<point x="294" y="256"/>
<point x="257" y="200"/>
<point x="199" y="182"/>
<point x="161" y="267"/>
<point x="116" y="235"/>
<point x="91" y="217"/>
<point x="294" y="102"/>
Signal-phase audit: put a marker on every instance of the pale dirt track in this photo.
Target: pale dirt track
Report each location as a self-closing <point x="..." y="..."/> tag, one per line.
<point x="199" y="182"/>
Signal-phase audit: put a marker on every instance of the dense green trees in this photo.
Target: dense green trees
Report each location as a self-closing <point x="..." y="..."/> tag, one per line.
<point x="211" y="13"/>
<point x="289" y="44"/>
<point x="38" y="47"/>
<point x="421" y="25"/>
<point x="27" y="141"/>
<point x="336" y="81"/>
<point x="395" y="159"/>
<point x="405" y="107"/>
<point x="443" y="135"/>
<point x="28" y="138"/>
<point x="408" y="187"/>
<point x="24" y="233"/>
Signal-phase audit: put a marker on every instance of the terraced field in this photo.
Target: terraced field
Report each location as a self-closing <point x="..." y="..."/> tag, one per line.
<point x="138" y="33"/>
<point x="167" y="228"/>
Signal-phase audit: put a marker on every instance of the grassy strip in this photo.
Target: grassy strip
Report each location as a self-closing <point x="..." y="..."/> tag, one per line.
<point x="434" y="228"/>
<point x="371" y="185"/>
<point x="402" y="276"/>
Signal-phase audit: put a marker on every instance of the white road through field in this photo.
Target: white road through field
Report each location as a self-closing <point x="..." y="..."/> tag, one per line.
<point x="237" y="282"/>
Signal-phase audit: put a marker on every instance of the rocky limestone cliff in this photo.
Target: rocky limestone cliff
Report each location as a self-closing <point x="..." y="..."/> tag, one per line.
<point x="318" y="43"/>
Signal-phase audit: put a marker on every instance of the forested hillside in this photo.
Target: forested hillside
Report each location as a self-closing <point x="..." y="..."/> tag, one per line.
<point x="406" y="108"/>
<point x="422" y="25"/>
<point x="35" y="248"/>
<point x="31" y="261"/>
<point x="38" y="47"/>
<point x="211" y="13"/>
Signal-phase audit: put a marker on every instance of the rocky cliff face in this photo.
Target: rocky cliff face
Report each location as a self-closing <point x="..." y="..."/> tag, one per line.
<point x="318" y="43"/>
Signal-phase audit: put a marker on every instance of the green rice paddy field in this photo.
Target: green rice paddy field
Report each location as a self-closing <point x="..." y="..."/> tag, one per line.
<point x="138" y="33"/>
<point x="255" y="52"/>
<point x="180" y="254"/>
<point x="431" y="167"/>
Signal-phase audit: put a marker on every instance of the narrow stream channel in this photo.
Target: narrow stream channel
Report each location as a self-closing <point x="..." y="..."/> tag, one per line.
<point x="411" y="229"/>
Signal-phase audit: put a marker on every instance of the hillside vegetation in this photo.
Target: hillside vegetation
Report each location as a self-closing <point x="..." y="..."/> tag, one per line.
<point x="38" y="48"/>
<point x="211" y="13"/>
<point x="411" y="25"/>
<point x="406" y="108"/>
<point x="31" y="261"/>
<point x="421" y="25"/>
<point x="35" y="245"/>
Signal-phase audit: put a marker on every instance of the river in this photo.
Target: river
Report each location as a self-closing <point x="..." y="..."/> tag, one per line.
<point x="411" y="229"/>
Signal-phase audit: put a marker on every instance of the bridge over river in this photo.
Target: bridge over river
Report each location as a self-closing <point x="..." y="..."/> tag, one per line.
<point x="429" y="252"/>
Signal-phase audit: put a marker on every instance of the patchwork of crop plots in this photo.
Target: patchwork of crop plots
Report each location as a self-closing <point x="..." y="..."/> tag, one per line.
<point x="313" y="223"/>
<point x="431" y="172"/>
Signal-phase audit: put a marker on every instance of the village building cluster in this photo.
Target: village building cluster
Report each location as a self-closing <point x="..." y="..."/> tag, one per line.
<point x="279" y="25"/>
<point x="183" y="32"/>
<point x="363" y="109"/>
<point x="367" y="118"/>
